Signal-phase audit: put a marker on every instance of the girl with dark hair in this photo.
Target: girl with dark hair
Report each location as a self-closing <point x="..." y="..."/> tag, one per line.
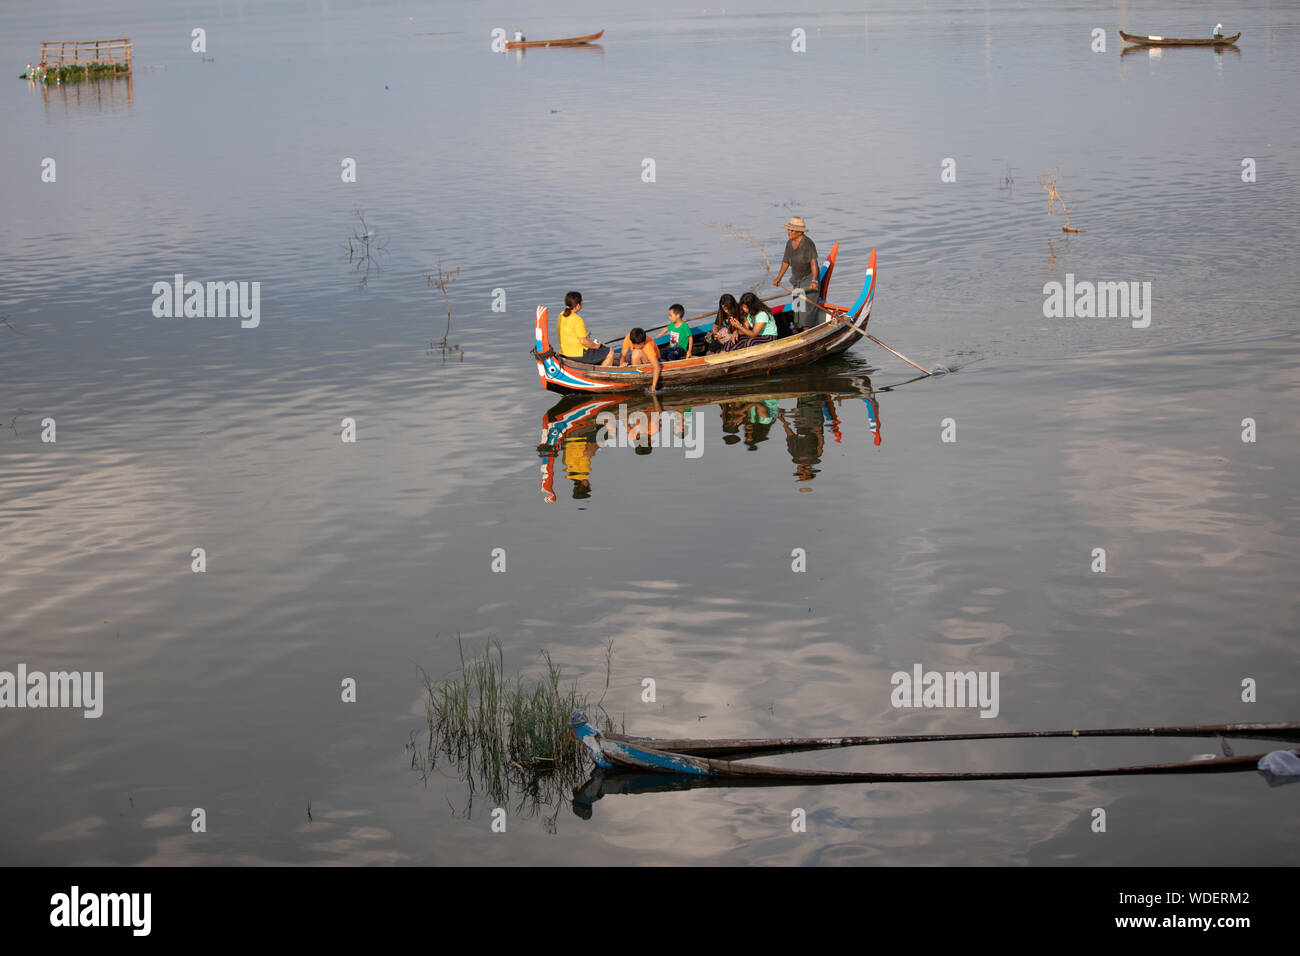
<point x="761" y="326"/>
<point x="723" y="337"/>
<point x="574" y="339"/>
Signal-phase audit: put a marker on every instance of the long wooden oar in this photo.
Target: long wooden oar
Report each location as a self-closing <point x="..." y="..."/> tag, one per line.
<point x="705" y="315"/>
<point x="840" y="318"/>
<point x="898" y="353"/>
<point x="718" y="746"/>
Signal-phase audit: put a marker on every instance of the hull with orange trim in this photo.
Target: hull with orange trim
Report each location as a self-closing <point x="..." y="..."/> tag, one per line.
<point x="837" y="333"/>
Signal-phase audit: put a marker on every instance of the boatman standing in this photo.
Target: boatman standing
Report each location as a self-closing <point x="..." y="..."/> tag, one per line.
<point x="801" y="259"/>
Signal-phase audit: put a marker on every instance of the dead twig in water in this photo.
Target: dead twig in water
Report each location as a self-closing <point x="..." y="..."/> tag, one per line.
<point x="365" y="255"/>
<point x="440" y="280"/>
<point x="1048" y="181"/>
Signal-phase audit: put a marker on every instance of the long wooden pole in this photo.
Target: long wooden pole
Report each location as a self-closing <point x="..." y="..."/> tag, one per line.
<point x="705" y="315"/>
<point x="839" y="317"/>
<point x="898" y="353"/>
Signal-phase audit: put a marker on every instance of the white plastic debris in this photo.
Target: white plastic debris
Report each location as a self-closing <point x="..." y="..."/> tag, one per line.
<point x="1280" y="767"/>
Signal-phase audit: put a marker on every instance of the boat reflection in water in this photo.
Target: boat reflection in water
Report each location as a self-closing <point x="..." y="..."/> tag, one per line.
<point x="805" y="411"/>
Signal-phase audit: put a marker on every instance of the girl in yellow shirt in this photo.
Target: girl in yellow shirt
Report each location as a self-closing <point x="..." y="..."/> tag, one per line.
<point x="574" y="339"/>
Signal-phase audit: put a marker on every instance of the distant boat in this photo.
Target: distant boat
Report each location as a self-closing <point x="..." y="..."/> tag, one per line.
<point x="1175" y="41"/>
<point x="567" y="41"/>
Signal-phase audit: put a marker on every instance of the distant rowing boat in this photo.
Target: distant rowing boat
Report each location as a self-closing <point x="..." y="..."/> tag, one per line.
<point x="1175" y="41"/>
<point x="567" y="41"/>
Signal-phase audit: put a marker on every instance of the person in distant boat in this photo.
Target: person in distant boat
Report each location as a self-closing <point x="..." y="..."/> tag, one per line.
<point x="519" y="36"/>
<point x="640" y="349"/>
<point x="1218" y="29"/>
<point x="801" y="259"/>
<point x="679" y="335"/>
<point x="759" y="326"/>
<point x="722" y="337"/>
<point x="574" y="340"/>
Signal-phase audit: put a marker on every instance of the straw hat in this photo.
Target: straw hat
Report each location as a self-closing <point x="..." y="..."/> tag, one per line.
<point x="796" y="224"/>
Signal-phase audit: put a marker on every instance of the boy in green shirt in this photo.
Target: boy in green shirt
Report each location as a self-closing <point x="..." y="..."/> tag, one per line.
<point x="679" y="335"/>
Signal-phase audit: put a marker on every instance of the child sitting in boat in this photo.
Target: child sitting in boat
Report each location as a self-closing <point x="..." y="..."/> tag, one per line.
<point x="760" y="327"/>
<point x="574" y="340"/>
<point x="723" y="337"/>
<point x="640" y="349"/>
<point x="679" y="335"/>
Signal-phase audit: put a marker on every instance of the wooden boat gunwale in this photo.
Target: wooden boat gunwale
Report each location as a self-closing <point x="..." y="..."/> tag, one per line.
<point x="835" y="335"/>
<point x="1178" y="41"/>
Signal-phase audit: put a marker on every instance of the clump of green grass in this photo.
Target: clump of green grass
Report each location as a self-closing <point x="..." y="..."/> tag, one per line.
<point x="75" y="74"/>
<point x="503" y="733"/>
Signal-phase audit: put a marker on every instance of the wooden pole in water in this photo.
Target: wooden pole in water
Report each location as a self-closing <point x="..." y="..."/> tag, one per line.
<point x="839" y="317"/>
<point x="898" y="353"/>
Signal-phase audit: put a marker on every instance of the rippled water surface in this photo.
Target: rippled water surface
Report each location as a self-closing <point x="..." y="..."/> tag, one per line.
<point x="328" y="560"/>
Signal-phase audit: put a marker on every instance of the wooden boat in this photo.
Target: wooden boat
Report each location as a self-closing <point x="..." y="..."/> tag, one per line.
<point x="567" y="41"/>
<point x="1175" y="41"/>
<point x="616" y="781"/>
<point x="618" y="752"/>
<point x="725" y="747"/>
<point x="841" y="328"/>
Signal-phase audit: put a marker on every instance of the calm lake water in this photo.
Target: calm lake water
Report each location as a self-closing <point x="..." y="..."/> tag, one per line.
<point x="328" y="560"/>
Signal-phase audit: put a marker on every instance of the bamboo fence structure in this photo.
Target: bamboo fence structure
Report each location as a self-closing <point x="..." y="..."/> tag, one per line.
<point x="56" y="54"/>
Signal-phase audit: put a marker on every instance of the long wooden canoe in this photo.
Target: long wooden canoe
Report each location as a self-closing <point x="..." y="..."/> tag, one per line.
<point x="833" y="335"/>
<point x="566" y="41"/>
<point x="624" y="755"/>
<point x="618" y="781"/>
<point x="766" y="746"/>
<point x="1175" y="41"/>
